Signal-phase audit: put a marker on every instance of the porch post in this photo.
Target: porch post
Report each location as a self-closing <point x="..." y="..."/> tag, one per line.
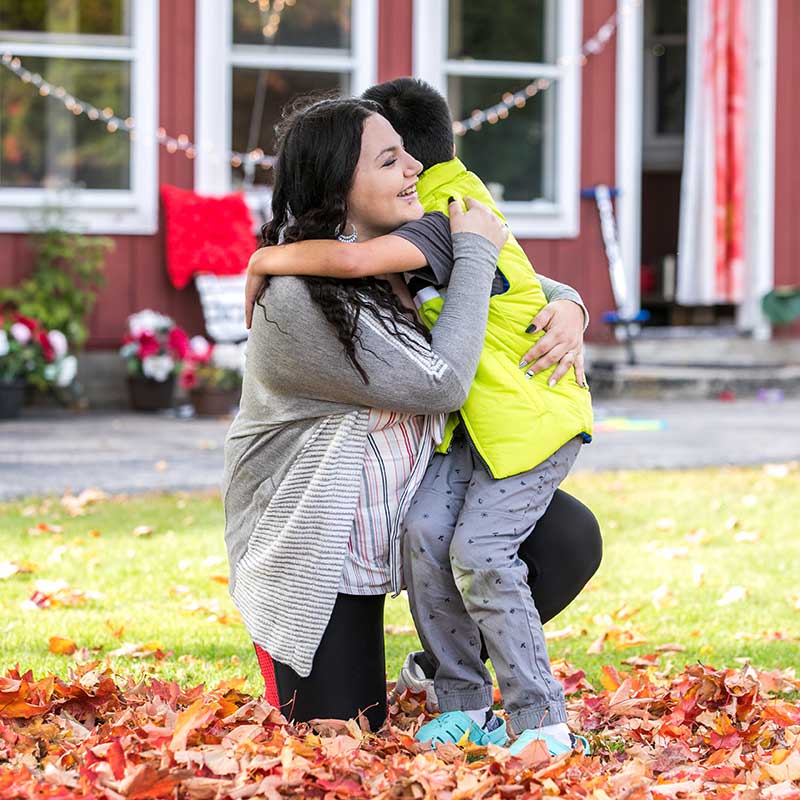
<point x="760" y="178"/>
<point x="628" y="145"/>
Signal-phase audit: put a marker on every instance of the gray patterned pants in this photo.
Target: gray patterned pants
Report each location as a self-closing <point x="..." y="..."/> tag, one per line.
<point x="465" y="581"/>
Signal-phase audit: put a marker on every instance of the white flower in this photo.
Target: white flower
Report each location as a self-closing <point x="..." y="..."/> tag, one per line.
<point x="67" y="370"/>
<point x="59" y="343"/>
<point x="129" y="350"/>
<point x="22" y="333"/>
<point x="148" y="321"/>
<point x="199" y="346"/>
<point x="3" y="343"/>
<point x="159" y="368"/>
<point x="229" y="356"/>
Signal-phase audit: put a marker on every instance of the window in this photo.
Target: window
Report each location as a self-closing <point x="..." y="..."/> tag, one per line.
<point x="664" y="83"/>
<point x="272" y="51"/>
<point x="475" y="52"/>
<point x="102" y="52"/>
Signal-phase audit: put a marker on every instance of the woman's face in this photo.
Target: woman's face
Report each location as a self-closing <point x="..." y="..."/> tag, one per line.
<point x="383" y="195"/>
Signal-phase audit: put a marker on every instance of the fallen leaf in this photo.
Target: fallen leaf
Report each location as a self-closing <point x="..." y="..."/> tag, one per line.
<point x="142" y="530"/>
<point x="734" y="595"/>
<point x="76" y="506"/>
<point x="62" y="646"/>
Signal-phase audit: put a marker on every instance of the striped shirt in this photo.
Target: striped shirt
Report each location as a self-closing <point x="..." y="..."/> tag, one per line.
<point x="399" y="447"/>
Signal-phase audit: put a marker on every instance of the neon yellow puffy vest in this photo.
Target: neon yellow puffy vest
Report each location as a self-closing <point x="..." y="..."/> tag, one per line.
<point x="514" y="422"/>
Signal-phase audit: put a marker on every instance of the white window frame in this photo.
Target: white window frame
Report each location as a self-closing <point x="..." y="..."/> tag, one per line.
<point x="215" y="59"/>
<point x="537" y="219"/>
<point x="101" y="211"/>
<point x="661" y="151"/>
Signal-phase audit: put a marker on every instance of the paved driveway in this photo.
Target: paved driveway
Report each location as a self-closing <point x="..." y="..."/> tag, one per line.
<point x="44" y="453"/>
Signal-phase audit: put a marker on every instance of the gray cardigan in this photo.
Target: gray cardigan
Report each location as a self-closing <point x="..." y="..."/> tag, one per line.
<point x="294" y="454"/>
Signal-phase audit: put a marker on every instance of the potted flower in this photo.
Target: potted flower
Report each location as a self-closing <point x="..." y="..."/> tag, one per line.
<point x="154" y="349"/>
<point x="30" y="355"/>
<point x="213" y="376"/>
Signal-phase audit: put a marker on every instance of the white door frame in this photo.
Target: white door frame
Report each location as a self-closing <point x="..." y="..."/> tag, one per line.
<point x="760" y="186"/>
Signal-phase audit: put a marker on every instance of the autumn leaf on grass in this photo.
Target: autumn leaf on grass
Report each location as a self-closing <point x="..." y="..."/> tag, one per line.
<point x="142" y="530"/>
<point x="223" y="579"/>
<point x="77" y="505"/>
<point x="619" y="638"/>
<point x="399" y="630"/>
<point x="734" y="595"/>
<point x="44" y="527"/>
<point x="61" y="646"/>
<point x="9" y="568"/>
<point x="23" y="697"/>
<point x="51" y="594"/>
<point x="747" y="536"/>
<point x="562" y="633"/>
<point x="116" y="630"/>
<point x="138" y="650"/>
<point x="196" y="716"/>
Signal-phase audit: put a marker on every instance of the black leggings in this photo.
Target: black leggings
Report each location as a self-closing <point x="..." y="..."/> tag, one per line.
<point x="349" y="672"/>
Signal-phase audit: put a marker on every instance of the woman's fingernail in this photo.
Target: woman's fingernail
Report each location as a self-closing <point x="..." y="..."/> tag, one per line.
<point x="551" y="383"/>
<point x="523" y="364"/>
<point x="530" y="329"/>
<point x="529" y="373"/>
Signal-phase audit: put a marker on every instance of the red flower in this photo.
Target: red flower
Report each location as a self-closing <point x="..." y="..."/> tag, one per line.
<point x="44" y="342"/>
<point x="30" y="324"/>
<point x="148" y="345"/>
<point x="188" y="378"/>
<point x="178" y="343"/>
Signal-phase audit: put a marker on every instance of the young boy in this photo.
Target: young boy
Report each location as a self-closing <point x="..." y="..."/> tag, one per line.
<point x="502" y="458"/>
<point x="504" y="455"/>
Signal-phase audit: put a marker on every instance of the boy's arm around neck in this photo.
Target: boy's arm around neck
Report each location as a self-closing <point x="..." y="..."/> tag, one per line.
<point x="329" y="258"/>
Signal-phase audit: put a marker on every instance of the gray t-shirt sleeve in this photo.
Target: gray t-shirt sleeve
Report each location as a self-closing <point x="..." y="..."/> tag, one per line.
<point x="430" y="234"/>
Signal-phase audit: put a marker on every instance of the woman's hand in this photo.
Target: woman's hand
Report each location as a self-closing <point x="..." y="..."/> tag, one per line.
<point x="562" y="343"/>
<point x="254" y="283"/>
<point x="479" y="219"/>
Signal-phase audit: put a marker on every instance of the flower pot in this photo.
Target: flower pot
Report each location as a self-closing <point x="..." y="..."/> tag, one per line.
<point x="12" y="398"/>
<point x="214" y="402"/>
<point x="149" y="395"/>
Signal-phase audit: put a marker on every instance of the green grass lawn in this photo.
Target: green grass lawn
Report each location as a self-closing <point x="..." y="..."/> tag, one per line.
<point x="707" y="560"/>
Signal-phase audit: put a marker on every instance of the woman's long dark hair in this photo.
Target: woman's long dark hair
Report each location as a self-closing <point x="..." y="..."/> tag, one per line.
<point x="318" y="147"/>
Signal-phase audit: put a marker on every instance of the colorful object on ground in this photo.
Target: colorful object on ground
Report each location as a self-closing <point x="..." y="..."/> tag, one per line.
<point x="206" y="234"/>
<point x="617" y="424"/>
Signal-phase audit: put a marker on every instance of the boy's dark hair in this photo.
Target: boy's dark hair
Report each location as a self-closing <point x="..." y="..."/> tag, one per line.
<point x="419" y="114"/>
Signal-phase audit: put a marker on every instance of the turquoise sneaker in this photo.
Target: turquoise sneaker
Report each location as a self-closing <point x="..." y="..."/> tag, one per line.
<point x="451" y="726"/>
<point x="554" y="747"/>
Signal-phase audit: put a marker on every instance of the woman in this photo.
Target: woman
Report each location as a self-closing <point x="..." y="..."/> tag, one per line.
<point x="324" y="357"/>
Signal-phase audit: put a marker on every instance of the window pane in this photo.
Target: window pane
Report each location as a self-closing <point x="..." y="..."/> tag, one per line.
<point x="44" y="144"/>
<point x="93" y="17"/>
<point x="292" y="23"/>
<point x="670" y="16"/>
<point x="259" y="96"/>
<point x="671" y="89"/>
<point x="514" y="153"/>
<point x="504" y="30"/>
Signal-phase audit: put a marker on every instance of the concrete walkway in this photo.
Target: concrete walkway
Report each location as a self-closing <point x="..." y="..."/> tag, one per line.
<point x="52" y="452"/>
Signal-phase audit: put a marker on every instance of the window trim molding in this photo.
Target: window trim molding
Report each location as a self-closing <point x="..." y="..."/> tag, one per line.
<point x="103" y="211"/>
<point x="538" y="219"/>
<point x="214" y="57"/>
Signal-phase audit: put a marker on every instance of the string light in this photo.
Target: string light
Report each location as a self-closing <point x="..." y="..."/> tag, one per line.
<point x="116" y="124"/>
<point x="510" y="100"/>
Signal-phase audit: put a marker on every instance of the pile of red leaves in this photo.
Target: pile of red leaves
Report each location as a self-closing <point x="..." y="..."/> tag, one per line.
<point x="700" y="733"/>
